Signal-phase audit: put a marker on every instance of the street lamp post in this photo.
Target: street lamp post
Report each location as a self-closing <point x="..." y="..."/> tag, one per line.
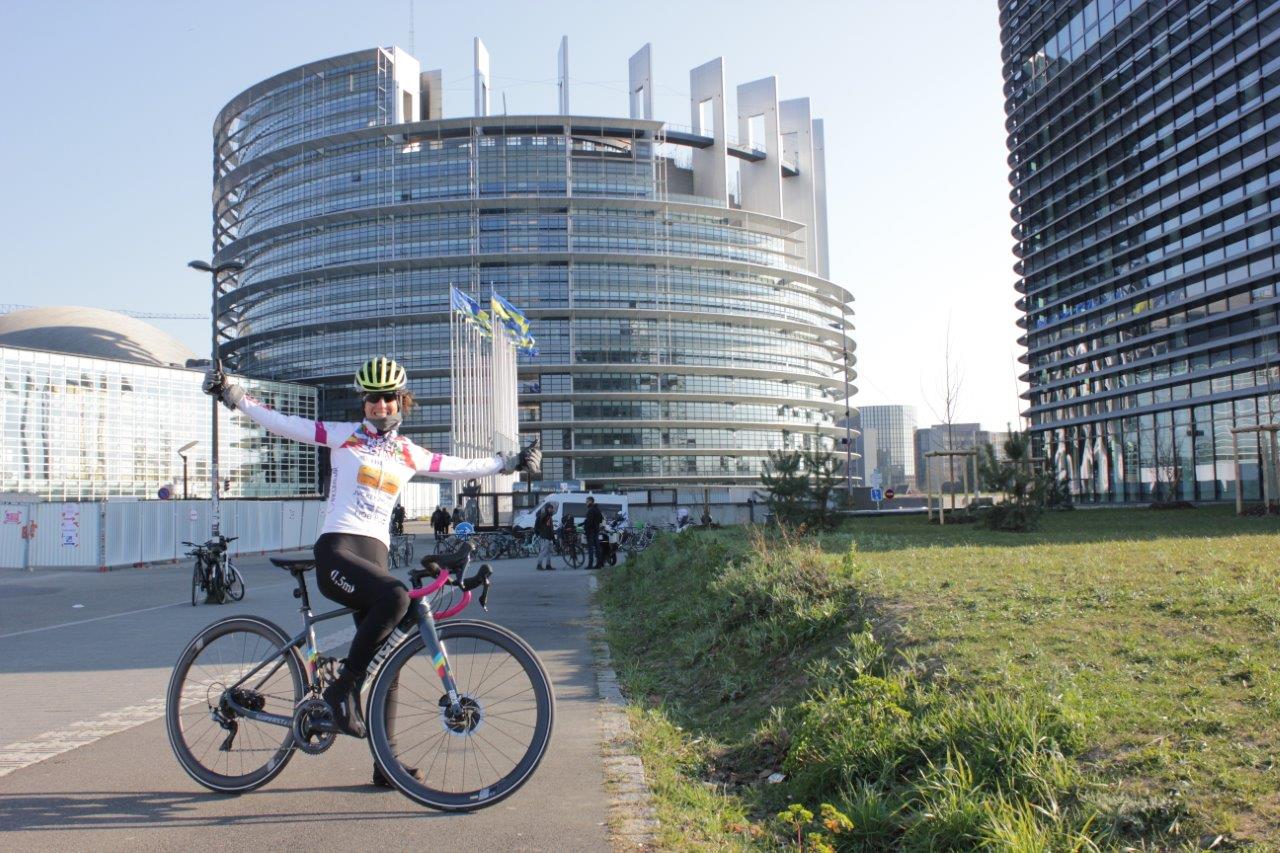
<point x="182" y="452"/>
<point x="215" y="272"/>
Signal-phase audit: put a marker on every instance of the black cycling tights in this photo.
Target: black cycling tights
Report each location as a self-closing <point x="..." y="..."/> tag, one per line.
<point x="352" y="570"/>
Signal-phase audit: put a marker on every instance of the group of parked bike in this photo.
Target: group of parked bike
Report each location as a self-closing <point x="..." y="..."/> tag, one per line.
<point x="213" y="573"/>
<point x="570" y="543"/>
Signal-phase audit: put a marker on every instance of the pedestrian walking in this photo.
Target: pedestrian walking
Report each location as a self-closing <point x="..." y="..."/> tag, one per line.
<point x="544" y="528"/>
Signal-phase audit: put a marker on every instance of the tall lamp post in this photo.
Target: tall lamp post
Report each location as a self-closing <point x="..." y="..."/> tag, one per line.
<point x="182" y="452"/>
<point x="215" y="272"/>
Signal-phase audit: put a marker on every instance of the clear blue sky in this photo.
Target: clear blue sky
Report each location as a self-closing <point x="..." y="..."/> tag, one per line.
<point x="109" y="106"/>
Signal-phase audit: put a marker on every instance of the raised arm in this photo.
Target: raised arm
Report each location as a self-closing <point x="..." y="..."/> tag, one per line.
<point x="456" y="468"/>
<point x="293" y="426"/>
<point x="289" y="426"/>
<point x="453" y="467"/>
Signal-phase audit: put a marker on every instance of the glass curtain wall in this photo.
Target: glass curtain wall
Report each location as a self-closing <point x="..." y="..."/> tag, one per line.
<point x="678" y="340"/>
<point x="1144" y="143"/>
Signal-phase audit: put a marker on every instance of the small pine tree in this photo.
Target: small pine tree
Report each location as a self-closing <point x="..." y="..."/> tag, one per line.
<point x="821" y="466"/>
<point x="1023" y="488"/>
<point x="785" y="477"/>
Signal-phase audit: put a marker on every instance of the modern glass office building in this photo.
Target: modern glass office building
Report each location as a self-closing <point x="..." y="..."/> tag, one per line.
<point x="887" y="444"/>
<point x="106" y="414"/>
<point x="676" y="277"/>
<point x="1144" y="143"/>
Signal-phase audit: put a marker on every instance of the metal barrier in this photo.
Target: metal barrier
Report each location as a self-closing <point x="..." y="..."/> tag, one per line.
<point x="107" y="534"/>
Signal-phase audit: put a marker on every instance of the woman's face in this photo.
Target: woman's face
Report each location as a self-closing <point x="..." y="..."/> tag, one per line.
<point x="381" y="405"/>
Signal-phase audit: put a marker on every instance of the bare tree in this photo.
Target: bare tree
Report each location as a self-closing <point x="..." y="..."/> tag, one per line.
<point x="948" y="397"/>
<point x="1167" y="484"/>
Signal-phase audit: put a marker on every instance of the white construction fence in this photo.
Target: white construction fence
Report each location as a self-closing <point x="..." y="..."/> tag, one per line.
<point x="108" y="534"/>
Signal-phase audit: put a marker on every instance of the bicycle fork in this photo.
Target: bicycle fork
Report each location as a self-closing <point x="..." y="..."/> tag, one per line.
<point x="439" y="657"/>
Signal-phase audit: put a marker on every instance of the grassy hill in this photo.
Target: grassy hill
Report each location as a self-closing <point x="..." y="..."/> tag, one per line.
<point x="1109" y="681"/>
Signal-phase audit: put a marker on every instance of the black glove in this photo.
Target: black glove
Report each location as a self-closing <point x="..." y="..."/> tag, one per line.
<point x="530" y="458"/>
<point x="216" y="385"/>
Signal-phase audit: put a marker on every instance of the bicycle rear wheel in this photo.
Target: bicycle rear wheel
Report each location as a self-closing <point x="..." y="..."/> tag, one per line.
<point x="574" y="554"/>
<point x="221" y="750"/>
<point x="485" y="754"/>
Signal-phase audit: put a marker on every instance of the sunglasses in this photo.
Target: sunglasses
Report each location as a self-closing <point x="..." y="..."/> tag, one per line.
<point x="384" y="396"/>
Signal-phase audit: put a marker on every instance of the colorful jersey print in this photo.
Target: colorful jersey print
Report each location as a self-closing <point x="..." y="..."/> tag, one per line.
<point x="369" y="468"/>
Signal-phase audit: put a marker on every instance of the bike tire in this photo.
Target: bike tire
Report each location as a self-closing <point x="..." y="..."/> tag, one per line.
<point x="195" y="583"/>
<point x="235" y="589"/>
<point x="219" y="655"/>
<point x="574" y="555"/>
<point x="492" y="666"/>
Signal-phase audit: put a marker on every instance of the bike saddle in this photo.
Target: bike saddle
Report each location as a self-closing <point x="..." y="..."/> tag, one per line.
<point x="297" y="566"/>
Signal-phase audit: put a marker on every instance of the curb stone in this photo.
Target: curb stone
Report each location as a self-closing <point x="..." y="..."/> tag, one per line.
<point x="632" y="819"/>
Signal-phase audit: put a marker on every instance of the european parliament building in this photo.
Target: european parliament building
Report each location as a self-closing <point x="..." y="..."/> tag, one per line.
<point x="676" y="277"/>
<point x="1144" y="140"/>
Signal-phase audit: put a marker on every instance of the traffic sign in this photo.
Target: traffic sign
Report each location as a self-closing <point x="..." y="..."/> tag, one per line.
<point x="888" y="494"/>
<point x="877" y="495"/>
<point x="876" y="478"/>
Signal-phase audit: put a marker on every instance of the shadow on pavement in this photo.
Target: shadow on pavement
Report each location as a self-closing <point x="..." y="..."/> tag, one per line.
<point x="173" y="809"/>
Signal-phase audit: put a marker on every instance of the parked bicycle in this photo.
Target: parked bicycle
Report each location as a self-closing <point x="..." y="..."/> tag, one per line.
<point x="508" y="544"/>
<point x="401" y="551"/>
<point x="213" y="573"/>
<point x="570" y="547"/>
<point x="244" y="696"/>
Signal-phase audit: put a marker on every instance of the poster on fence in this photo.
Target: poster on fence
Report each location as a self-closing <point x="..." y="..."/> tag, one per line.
<point x="70" y="526"/>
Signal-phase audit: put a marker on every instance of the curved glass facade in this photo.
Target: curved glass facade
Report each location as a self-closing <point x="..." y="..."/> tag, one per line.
<point x="679" y="340"/>
<point x="1144" y="144"/>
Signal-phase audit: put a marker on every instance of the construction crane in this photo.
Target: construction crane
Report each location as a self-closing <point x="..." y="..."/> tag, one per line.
<point x="141" y="315"/>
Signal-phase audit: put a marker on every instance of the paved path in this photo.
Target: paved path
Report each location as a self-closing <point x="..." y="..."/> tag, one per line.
<point x="85" y="764"/>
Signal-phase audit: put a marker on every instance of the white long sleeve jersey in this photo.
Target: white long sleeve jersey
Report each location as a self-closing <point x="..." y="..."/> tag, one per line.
<point x="369" y="468"/>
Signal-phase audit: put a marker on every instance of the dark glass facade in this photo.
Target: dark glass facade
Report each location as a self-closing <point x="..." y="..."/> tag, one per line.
<point x="680" y="341"/>
<point x="1144" y="143"/>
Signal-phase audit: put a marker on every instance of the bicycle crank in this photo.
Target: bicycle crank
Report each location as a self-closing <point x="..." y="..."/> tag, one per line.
<point x="309" y="721"/>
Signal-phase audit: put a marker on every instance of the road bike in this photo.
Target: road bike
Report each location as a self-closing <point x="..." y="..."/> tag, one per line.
<point x="213" y="573"/>
<point x="474" y="721"/>
<point x="401" y="551"/>
<point x="570" y="547"/>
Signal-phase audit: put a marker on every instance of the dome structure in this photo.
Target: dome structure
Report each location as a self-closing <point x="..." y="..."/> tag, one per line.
<point x="93" y="332"/>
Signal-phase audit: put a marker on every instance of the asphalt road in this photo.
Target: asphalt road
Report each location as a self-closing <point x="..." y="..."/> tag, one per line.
<point x="85" y="764"/>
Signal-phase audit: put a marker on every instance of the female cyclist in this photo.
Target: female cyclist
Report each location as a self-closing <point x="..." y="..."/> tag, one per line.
<point x="370" y="463"/>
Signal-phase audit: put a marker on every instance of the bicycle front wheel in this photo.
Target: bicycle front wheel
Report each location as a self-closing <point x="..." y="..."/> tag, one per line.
<point x="218" y="748"/>
<point x="471" y="759"/>
<point x="235" y="588"/>
<point x="195" y="583"/>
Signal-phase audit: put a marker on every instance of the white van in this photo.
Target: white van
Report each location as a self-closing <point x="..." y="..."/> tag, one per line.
<point x="575" y="504"/>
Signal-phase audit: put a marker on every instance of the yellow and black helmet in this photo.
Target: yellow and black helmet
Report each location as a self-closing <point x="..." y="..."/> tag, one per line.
<point x="380" y="374"/>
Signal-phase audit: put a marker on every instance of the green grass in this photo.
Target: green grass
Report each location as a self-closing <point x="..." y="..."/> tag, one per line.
<point x="1110" y="680"/>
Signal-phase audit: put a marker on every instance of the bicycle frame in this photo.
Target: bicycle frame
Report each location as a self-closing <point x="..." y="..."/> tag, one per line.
<point x="305" y="640"/>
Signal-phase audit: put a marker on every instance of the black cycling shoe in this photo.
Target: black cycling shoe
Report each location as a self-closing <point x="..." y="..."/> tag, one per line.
<point x="383" y="782"/>
<point x="344" y="701"/>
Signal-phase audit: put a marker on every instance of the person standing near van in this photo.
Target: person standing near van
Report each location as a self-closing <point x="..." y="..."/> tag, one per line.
<point x="544" y="527"/>
<point x="591" y="526"/>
